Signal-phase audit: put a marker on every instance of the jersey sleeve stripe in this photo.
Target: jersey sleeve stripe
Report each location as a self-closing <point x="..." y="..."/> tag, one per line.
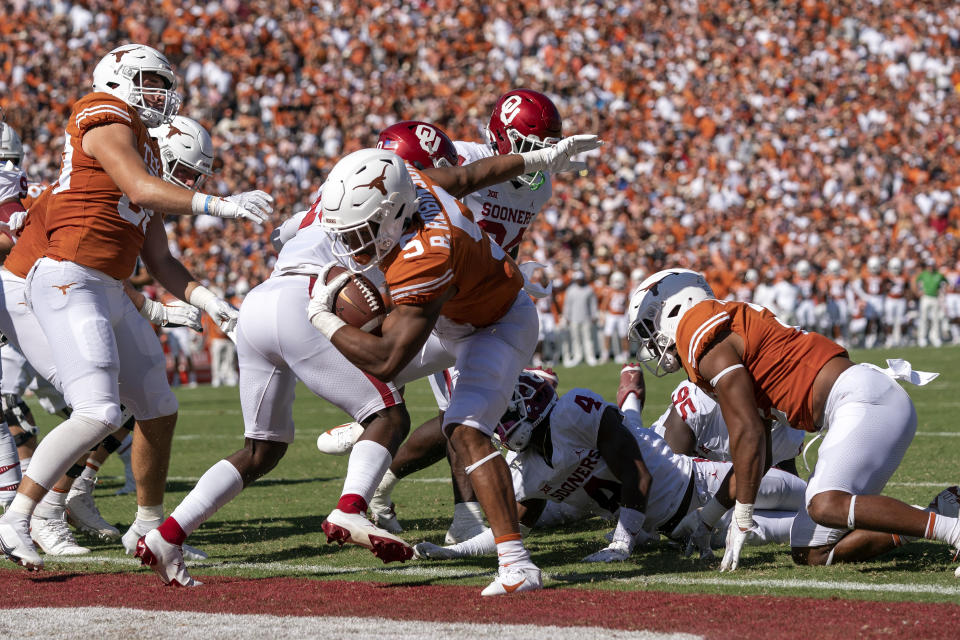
<point x="702" y="331"/>
<point x="105" y="108"/>
<point x="430" y="285"/>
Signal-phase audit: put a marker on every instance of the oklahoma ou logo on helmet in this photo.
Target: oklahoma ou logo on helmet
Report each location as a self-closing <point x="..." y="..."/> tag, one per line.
<point x="509" y="109"/>
<point x="427" y="135"/>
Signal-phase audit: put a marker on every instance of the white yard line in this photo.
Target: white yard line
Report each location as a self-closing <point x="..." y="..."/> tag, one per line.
<point x="828" y="586"/>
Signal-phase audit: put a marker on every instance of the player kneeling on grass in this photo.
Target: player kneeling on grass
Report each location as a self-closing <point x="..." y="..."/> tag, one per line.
<point x="753" y="362"/>
<point x="585" y="454"/>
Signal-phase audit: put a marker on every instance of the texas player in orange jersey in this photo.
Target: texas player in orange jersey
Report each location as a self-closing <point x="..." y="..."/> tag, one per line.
<point x="753" y="363"/>
<point x="100" y="217"/>
<point x="458" y="302"/>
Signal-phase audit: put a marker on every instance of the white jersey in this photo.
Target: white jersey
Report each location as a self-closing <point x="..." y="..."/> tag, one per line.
<point x="13" y="184"/>
<point x="504" y="210"/>
<point x="577" y="475"/>
<point x="305" y="248"/>
<point x="702" y="414"/>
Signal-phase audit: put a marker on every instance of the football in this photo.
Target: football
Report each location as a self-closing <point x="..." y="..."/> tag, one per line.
<point x="339" y="440"/>
<point x="358" y="303"/>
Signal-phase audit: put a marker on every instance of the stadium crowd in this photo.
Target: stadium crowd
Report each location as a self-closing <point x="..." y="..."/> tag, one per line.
<point x="741" y="137"/>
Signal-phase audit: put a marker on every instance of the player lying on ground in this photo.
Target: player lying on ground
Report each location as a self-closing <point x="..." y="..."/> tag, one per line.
<point x="580" y="451"/>
<point x="753" y="363"/>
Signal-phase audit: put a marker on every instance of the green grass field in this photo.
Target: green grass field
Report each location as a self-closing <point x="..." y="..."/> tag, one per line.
<point x="273" y="528"/>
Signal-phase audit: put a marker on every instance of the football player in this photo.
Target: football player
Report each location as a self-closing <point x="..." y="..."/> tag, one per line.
<point x="752" y="362"/>
<point x="522" y="120"/>
<point x="582" y="452"/>
<point x="896" y="288"/>
<point x="276" y="349"/>
<point x="99" y="218"/>
<point x="613" y="304"/>
<point x="869" y="289"/>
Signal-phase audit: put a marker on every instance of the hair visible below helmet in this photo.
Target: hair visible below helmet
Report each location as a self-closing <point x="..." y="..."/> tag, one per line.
<point x="533" y="398"/>
<point x="184" y="145"/>
<point x="366" y="202"/>
<point x="656" y="308"/>
<point x="834" y="267"/>
<point x="524" y="120"/>
<point x="874" y="264"/>
<point x="422" y="144"/>
<point x="11" y="149"/>
<point x="120" y="73"/>
<point x="895" y="265"/>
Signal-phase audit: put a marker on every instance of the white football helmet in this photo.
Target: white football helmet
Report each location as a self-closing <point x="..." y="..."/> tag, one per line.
<point x="803" y="268"/>
<point x="366" y="203"/>
<point x="186" y="150"/>
<point x="834" y="267"/>
<point x="533" y="400"/>
<point x="874" y="264"/>
<point x="11" y="149"/>
<point x="120" y="73"/>
<point x="618" y="280"/>
<point x="656" y="307"/>
<point x="895" y="265"/>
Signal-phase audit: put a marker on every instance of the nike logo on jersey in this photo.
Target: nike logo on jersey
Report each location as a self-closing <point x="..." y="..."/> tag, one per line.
<point x="378" y="183"/>
<point x="63" y="287"/>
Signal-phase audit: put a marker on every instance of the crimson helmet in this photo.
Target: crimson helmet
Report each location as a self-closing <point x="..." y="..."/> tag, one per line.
<point x="533" y="400"/>
<point x="524" y="120"/>
<point x="420" y="143"/>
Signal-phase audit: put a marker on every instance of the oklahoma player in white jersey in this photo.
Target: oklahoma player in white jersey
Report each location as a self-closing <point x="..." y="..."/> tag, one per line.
<point x="754" y="362"/>
<point x="581" y="451"/>
<point x="100" y="216"/>
<point x="693" y="425"/>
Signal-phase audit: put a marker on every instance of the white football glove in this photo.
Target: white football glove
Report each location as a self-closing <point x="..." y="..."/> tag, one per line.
<point x="434" y="551"/>
<point x="559" y="157"/>
<point x="218" y="309"/>
<point x="736" y="538"/>
<point x="17" y="218"/>
<point x="175" y="314"/>
<point x="616" y="552"/>
<point x="255" y="206"/>
<point x="696" y="533"/>
<point x="320" y="310"/>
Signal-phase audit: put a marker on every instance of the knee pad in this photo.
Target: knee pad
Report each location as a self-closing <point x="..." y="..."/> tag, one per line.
<point x="15" y="413"/>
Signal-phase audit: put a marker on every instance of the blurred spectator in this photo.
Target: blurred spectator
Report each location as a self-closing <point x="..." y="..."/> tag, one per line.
<point x="931" y="285"/>
<point x="579" y="316"/>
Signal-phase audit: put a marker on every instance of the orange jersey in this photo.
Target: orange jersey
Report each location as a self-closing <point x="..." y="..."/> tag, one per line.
<point x="782" y="360"/>
<point x="614" y="301"/>
<point x="90" y="221"/>
<point x="32" y="241"/>
<point x="448" y="249"/>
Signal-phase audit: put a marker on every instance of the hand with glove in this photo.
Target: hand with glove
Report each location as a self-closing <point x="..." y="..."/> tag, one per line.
<point x="559" y="157"/>
<point x="174" y="314"/>
<point x="625" y="537"/>
<point x="218" y="309"/>
<point x="432" y="551"/>
<point x="255" y="206"/>
<point x="696" y="529"/>
<point x="322" y="299"/>
<point x="17" y="218"/>
<point x="743" y="529"/>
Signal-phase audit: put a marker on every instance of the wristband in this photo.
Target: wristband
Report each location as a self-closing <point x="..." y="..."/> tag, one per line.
<point x="712" y="512"/>
<point x="200" y="204"/>
<point x="150" y="312"/>
<point x="743" y="515"/>
<point x="327" y="323"/>
<point x="200" y="297"/>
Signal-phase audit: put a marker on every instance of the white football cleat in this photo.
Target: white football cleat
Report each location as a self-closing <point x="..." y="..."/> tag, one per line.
<point x="82" y="511"/>
<point x="385" y="518"/>
<point x="16" y="544"/>
<point x="140" y="528"/>
<point x="946" y="503"/>
<point x="342" y="527"/>
<point x="339" y="440"/>
<point x="165" y="559"/>
<point x="53" y="535"/>
<point x="512" y="579"/>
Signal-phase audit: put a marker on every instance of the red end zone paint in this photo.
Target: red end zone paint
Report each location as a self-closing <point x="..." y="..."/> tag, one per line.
<point x="735" y="617"/>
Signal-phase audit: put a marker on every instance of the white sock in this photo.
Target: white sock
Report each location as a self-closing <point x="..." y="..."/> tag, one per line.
<point x="90" y="470"/>
<point x="632" y="409"/>
<point x="369" y="461"/>
<point x="24" y="465"/>
<point x="385" y="488"/>
<point x="52" y="505"/>
<point x="481" y="544"/>
<point x="942" y="528"/>
<point x="9" y="466"/>
<point x="21" y="508"/>
<point x="510" y="550"/>
<point x="467" y="512"/>
<point x="62" y="446"/>
<point x="218" y="486"/>
<point x="148" y="513"/>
